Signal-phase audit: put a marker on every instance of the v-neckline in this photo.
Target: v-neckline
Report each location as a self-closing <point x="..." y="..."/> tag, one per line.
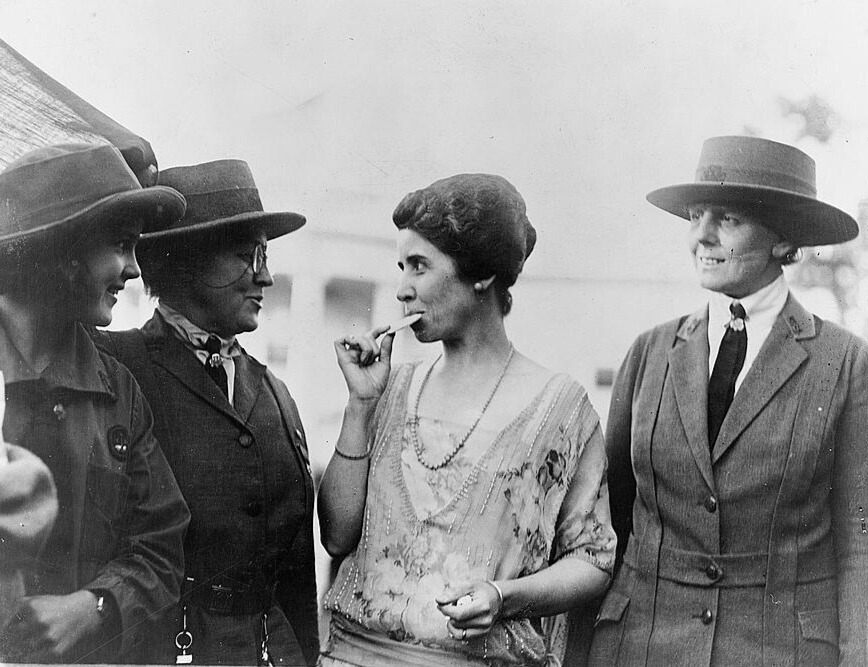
<point x="411" y="512"/>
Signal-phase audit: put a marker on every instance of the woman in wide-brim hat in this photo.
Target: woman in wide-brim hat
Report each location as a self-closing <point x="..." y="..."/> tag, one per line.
<point x="736" y="442"/>
<point x="70" y="217"/>
<point x="230" y="428"/>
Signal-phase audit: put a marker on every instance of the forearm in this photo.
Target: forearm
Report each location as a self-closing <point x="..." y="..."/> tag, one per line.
<point x="343" y="490"/>
<point x="560" y="587"/>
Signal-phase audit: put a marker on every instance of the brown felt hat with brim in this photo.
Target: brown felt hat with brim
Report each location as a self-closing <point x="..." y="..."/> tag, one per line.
<point x="221" y="197"/>
<point x="67" y="187"/>
<point x="777" y="180"/>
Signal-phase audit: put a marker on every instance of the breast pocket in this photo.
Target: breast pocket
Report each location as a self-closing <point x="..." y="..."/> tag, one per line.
<point x="105" y="502"/>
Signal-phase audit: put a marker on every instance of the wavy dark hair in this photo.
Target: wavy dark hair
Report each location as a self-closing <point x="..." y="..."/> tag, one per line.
<point x="480" y="221"/>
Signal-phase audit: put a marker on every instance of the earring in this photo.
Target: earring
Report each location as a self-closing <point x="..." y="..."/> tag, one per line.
<point x="478" y="287"/>
<point x="795" y="256"/>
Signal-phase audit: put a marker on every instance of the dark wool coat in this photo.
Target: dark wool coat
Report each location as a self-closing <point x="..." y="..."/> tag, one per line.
<point x="755" y="552"/>
<point x="121" y="513"/>
<point x="245" y="473"/>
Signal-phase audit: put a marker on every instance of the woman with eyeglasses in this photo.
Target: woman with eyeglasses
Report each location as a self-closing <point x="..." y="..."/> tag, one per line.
<point x="230" y="429"/>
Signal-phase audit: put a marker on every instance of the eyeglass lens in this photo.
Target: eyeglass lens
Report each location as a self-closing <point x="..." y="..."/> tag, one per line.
<point x="259" y="258"/>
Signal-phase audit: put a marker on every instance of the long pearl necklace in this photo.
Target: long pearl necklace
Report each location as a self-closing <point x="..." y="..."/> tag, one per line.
<point x="414" y="417"/>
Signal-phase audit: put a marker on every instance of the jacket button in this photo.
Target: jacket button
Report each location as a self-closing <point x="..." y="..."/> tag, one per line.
<point x="59" y="411"/>
<point x="253" y="508"/>
<point x="710" y="504"/>
<point x="713" y="572"/>
<point x="245" y="440"/>
<point x="706" y="617"/>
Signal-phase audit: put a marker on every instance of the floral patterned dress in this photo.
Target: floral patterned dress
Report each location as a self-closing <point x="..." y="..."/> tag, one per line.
<point x="534" y="494"/>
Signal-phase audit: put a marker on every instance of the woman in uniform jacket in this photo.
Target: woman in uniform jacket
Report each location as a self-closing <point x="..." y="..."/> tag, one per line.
<point x="70" y="217"/>
<point x="230" y="429"/>
<point x="737" y="442"/>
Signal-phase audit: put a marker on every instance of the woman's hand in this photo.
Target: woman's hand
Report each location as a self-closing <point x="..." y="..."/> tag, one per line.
<point x="47" y="627"/>
<point x="472" y="609"/>
<point x="365" y="364"/>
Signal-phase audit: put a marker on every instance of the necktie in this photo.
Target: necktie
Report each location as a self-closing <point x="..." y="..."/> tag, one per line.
<point x="214" y="364"/>
<point x="727" y="366"/>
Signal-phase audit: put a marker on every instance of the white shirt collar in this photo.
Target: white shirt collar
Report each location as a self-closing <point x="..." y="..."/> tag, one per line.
<point x="761" y="310"/>
<point x="762" y="307"/>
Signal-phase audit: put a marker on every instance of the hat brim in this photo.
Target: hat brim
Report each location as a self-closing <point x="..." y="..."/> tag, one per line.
<point x="156" y="206"/>
<point x="272" y="224"/>
<point x="802" y="220"/>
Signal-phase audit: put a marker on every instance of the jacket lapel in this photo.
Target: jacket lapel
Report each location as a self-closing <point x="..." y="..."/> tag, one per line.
<point x="688" y="360"/>
<point x="248" y="385"/>
<point x="780" y="357"/>
<point x="168" y="352"/>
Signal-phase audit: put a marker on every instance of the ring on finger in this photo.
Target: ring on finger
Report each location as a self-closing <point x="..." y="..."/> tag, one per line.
<point x="463" y="634"/>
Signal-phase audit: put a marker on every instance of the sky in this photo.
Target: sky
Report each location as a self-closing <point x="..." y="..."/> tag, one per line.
<point x="342" y="107"/>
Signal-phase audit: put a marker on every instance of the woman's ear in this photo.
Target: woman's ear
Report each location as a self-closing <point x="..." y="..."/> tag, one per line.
<point x="784" y="251"/>
<point x="481" y="285"/>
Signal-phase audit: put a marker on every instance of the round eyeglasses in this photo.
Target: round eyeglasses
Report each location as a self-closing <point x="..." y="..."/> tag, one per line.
<point x="256" y="260"/>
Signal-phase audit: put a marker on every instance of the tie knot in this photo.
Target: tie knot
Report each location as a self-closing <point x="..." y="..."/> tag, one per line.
<point x="738" y="314"/>
<point x="212" y="345"/>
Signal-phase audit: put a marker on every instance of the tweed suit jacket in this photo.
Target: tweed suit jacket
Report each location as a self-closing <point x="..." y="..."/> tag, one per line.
<point x="755" y="550"/>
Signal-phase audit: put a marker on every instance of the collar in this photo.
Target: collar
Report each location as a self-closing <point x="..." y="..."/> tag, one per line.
<point x="761" y="307"/>
<point x="194" y="336"/>
<point x="78" y="367"/>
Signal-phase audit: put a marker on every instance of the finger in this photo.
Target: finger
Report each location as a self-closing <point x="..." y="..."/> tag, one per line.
<point x="464" y="631"/>
<point x="386" y="348"/>
<point x="376" y="332"/>
<point x="368" y="351"/>
<point x="345" y="353"/>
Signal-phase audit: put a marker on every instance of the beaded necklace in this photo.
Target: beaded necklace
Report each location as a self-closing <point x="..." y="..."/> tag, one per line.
<point x="414" y="417"/>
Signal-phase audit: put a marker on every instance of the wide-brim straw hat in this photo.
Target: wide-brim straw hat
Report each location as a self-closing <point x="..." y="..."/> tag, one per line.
<point x="221" y="197"/>
<point x="765" y="176"/>
<point x="67" y="187"/>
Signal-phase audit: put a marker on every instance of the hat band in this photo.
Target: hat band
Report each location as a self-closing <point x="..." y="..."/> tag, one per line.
<point x="211" y="206"/>
<point x="731" y="175"/>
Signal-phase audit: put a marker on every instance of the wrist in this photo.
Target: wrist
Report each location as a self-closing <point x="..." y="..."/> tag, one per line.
<point x="104" y="608"/>
<point x="498" y="609"/>
<point x="359" y="407"/>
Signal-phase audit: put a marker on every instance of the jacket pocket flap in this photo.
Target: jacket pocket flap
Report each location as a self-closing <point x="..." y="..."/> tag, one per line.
<point x="819" y="625"/>
<point x="613" y="608"/>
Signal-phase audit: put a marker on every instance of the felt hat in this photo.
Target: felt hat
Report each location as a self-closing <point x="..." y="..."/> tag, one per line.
<point x="775" y="180"/>
<point x="65" y="187"/>
<point x="220" y="195"/>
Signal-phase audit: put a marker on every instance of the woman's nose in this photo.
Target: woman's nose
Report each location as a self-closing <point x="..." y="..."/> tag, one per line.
<point x="405" y="290"/>
<point x="263" y="277"/>
<point x="705" y="227"/>
<point x="131" y="268"/>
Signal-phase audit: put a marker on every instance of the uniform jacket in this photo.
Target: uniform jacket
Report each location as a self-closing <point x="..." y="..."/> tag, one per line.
<point x="756" y="551"/>
<point x="126" y="513"/>
<point x="216" y="453"/>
